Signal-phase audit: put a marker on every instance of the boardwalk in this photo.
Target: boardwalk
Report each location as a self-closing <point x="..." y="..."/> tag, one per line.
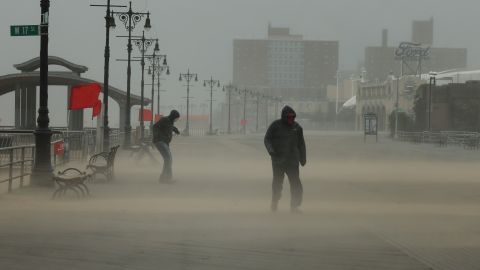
<point x="367" y="206"/>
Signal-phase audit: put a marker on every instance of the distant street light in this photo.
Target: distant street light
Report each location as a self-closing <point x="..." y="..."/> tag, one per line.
<point x="229" y="88"/>
<point x="211" y="83"/>
<point x="160" y="70"/>
<point x="155" y="64"/>
<point x="257" y="95"/>
<point x="396" y="109"/>
<point x="244" y="120"/>
<point x="188" y="77"/>
<point x="433" y="82"/>
<point x="143" y="44"/>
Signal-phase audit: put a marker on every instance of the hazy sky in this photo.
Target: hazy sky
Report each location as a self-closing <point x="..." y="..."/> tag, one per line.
<point x="198" y="34"/>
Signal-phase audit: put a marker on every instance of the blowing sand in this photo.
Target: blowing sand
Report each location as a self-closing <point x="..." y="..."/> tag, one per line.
<point x="366" y="206"/>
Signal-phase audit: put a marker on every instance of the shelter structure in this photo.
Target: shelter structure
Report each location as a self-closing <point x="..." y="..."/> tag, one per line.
<point x="25" y="84"/>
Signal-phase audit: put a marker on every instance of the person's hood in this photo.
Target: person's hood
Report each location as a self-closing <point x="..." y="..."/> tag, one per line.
<point x="286" y="110"/>
<point x="174" y="114"/>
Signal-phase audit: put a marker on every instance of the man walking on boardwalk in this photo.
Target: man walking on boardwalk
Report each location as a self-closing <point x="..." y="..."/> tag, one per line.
<point x="162" y="136"/>
<point x="285" y="144"/>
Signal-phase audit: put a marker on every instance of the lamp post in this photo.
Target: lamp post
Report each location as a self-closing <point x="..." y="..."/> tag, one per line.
<point x="160" y="69"/>
<point x="267" y="99"/>
<point x="188" y="77"/>
<point x="211" y="83"/>
<point x="434" y="82"/>
<point x="143" y="44"/>
<point x="245" y="91"/>
<point x="155" y="60"/>
<point x="258" y="108"/>
<point x="396" y="109"/>
<point x="130" y="20"/>
<point x="336" y="94"/>
<point x="229" y="87"/>
<point x="109" y="23"/>
<point x="42" y="166"/>
<point x="278" y="100"/>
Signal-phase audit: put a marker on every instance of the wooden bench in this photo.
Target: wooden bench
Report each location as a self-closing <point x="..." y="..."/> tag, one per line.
<point x="103" y="163"/>
<point x="71" y="179"/>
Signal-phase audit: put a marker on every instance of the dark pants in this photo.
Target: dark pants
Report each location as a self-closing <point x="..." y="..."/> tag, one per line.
<point x="164" y="150"/>
<point x="296" y="189"/>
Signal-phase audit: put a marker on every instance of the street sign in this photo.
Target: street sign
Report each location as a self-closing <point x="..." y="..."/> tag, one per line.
<point x="24" y="30"/>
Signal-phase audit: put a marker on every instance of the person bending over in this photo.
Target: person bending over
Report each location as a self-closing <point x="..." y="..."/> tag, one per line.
<point x="162" y="136"/>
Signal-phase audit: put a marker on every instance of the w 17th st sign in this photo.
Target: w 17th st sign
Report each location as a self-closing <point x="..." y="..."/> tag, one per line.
<point x="24" y="30"/>
<point x="411" y="51"/>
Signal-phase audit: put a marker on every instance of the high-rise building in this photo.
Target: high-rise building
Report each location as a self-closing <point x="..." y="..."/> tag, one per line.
<point x="286" y="64"/>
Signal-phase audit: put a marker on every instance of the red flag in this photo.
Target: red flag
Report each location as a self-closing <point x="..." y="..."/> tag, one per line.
<point x="84" y="96"/>
<point x="96" y="109"/>
<point x="147" y="115"/>
<point x="58" y="148"/>
<point x="158" y="117"/>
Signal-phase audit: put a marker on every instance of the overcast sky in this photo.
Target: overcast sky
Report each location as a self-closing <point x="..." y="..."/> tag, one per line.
<point x="198" y="34"/>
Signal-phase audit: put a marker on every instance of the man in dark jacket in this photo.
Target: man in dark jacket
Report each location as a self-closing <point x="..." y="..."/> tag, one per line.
<point x="285" y="144"/>
<point x="162" y="136"/>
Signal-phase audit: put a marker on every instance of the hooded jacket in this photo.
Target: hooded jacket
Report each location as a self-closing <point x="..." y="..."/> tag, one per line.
<point x="163" y="129"/>
<point x="284" y="142"/>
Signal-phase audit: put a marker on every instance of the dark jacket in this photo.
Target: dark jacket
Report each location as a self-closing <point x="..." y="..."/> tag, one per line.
<point x="164" y="128"/>
<point x="284" y="142"/>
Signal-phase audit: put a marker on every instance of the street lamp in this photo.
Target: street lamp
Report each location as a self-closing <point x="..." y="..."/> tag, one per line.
<point x="109" y="23"/>
<point x="160" y="69"/>
<point x="211" y="83"/>
<point x="42" y="169"/>
<point x="188" y="77"/>
<point x="434" y="82"/>
<point x="268" y="99"/>
<point x="245" y="91"/>
<point x="143" y="44"/>
<point x="155" y="60"/>
<point x="228" y="88"/>
<point x="130" y="19"/>
<point x="396" y="109"/>
<point x="258" y="95"/>
<point x="278" y="101"/>
<point x="336" y="95"/>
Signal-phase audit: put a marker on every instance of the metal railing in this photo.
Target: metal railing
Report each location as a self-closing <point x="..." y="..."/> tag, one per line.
<point x="17" y="152"/>
<point x="467" y="140"/>
<point x="18" y="163"/>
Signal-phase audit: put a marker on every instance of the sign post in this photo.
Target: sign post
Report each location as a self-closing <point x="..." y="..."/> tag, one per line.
<point x="24" y="30"/>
